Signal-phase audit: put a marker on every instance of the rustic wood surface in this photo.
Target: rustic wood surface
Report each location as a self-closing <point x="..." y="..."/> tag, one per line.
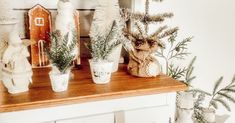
<point x="81" y="89"/>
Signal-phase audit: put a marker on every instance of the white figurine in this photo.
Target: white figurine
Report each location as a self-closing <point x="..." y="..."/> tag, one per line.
<point x="16" y="71"/>
<point x="65" y="21"/>
<point x="65" y="18"/>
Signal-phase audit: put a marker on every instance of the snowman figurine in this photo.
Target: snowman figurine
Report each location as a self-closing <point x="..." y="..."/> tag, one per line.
<point x="16" y="71"/>
<point x="65" y="22"/>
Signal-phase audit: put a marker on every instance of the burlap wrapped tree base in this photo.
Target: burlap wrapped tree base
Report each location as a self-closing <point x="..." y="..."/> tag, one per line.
<point x="142" y="64"/>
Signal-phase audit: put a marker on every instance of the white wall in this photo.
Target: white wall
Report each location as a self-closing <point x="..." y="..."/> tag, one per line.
<point x="212" y="24"/>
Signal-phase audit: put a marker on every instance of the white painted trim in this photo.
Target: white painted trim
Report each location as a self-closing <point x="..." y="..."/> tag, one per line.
<point x="84" y="109"/>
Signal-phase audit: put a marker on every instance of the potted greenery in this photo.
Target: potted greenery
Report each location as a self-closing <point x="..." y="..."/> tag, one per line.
<point x="144" y="44"/>
<point x="100" y="47"/>
<point x="219" y="96"/>
<point x="61" y="53"/>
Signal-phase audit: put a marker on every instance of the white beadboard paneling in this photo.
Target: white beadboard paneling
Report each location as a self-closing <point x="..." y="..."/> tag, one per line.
<point x="105" y="118"/>
<point x="52" y="4"/>
<point x="85" y="21"/>
<point x="86" y="8"/>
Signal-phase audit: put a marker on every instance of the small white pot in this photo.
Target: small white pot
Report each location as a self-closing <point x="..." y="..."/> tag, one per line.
<point x="59" y="82"/>
<point x="185" y="105"/>
<point x="101" y="71"/>
<point x="209" y="115"/>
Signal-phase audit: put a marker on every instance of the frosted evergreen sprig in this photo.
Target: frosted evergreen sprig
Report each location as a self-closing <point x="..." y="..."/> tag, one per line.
<point x="177" y="50"/>
<point x="176" y="72"/>
<point x="61" y="50"/>
<point x="197" y="114"/>
<point x="223" y="95"/>
<point x="141" y="36"/>
<point x="102" y="45"/>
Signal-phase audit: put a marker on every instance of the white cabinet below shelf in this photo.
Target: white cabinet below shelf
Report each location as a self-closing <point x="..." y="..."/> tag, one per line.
<point x="148" y="115"/>
<point x="105" y="118"/>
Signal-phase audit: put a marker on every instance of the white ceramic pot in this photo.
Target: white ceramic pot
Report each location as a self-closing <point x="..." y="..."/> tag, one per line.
<point x="16" y="83"/>
<point x="59" y="82"/>
<point x="185" y="105"/>
<point x="101" y="71"/>
<point x="209" y="115"/>
<point x="115" y="57"/>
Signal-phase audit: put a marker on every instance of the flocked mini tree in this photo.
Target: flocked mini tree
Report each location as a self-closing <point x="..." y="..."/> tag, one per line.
<point x="143" y="44"/>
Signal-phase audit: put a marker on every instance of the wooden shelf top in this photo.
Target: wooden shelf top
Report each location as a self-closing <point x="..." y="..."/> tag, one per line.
<point x="81" y="89"/>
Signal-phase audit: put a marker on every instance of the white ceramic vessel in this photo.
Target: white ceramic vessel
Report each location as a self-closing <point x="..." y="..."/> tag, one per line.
<point x="101" y="71"/>
<point x="209" y="115"/>
<point x="185" y="105"/>
<point x="59" y="82"/>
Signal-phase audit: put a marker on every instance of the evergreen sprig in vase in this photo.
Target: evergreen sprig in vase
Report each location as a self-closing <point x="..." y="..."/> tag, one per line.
<point x="106" y="12"/>
<point x="61" y="54"/>
<point x="100" y="47"/>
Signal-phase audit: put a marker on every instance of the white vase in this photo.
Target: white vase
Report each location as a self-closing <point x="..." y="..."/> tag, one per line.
<point x="209" y="115"/>
<point x="185" y="105"/>
<point x="16" y="83"/>
<point x="101" y="71"/>
<point x="59" y="82"/>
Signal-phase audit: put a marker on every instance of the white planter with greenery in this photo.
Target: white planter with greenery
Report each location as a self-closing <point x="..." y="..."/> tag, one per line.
<point x="59" y="81"/>
<point x="101" y="46"/>
<point x="106" y="12"/>
<point x="61" y="55"/>
<point x="101" y="71"/>
<point x="208" y="115"/>
<point x="185" y="105"/>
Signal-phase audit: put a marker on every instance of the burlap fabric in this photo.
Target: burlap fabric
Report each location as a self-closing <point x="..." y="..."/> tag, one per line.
<point x="142" y="63"/>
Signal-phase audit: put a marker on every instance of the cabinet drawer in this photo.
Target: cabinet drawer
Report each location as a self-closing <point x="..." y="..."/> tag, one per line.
<point x="148" y="115"/>
<point x="106" y="118"/>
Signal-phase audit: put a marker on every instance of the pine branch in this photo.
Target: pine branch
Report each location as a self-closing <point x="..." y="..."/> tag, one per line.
<point x="227" y="96"/>
<point x="225" y="104"/>
<point x="183" y="44"/>
<point x="217" y="83"/>
<point x="156" y="33"/>
<point x="141" y="30"/>
<point x="101" y="46"/>
<point x="168" y="33"/>
<point x="228" y="90"/>
<point x="61" y="50"/>
<point x="214" y="104"/>
<point x="147" y="7"/>
<point x="233" y="80"/>
<point x="188" y="75"/>
<point x="158" y="18"/>
<point x="176" y="72"/>
<point x="199" y="91"/>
